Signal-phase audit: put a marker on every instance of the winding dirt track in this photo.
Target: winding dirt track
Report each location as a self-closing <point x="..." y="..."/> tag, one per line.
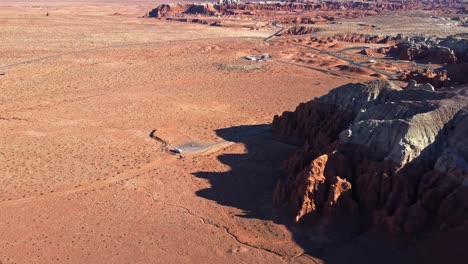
<point x="335" y="54"/>
<point x="4" y="67"/>
<point x="351" y="62"/>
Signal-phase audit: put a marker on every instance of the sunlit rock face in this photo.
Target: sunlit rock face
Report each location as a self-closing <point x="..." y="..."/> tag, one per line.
<point x="397" y="156"/>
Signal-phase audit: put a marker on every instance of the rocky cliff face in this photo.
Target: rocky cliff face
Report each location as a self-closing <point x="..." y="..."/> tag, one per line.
<point x="429" y="52"/>
<point x="365" y="38"/>
<point x="435" y="50"/>
<point x="452" y="50"/>
<point x="300" y="30"/>
<point x="229" y="9"/>
<point x="450" y="74"/>
<point x="397" y="157"/>
<point x="270" y="9"/>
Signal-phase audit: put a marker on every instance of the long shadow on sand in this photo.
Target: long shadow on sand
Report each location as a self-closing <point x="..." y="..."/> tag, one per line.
<point x="250" y="182"/>
<point x="249" y="186"/>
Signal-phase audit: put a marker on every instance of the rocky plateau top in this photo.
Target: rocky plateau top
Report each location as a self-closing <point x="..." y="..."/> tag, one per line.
<point x="396" y="156"/>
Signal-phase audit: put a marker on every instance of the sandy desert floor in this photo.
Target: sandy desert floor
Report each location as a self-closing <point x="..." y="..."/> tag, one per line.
<point x="93" y="97"/>
<point x="82" y="180"/>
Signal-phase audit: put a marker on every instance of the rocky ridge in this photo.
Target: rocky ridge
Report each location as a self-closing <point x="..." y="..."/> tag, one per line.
<point x="450" y="74"/>
<point x="431" y="49"/>
<point x="300" y="30"/>
<point x="395" y="157"/>
<point x="296" y="12"/>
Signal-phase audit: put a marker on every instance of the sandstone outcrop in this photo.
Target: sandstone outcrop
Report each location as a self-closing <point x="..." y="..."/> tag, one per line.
<point x="248" y="8"/>
<point x="166" y="10"/>
<point x="365" y="38"/>
<point x="368" y="52"/>
<point x="435" y="50"/>
<point x="429" y="52"/>
<point x="450" y="74"/>
<point x="436" y="78"/>
<point x="297" y="12"/>
<point x="396" y="157"/>
<point x="300" y="30"/>
<point x="459" y="45"/>
<point x="357" y="38"/>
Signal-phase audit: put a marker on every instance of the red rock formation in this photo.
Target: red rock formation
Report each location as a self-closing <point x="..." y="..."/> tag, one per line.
<point x="448" y="75"/>
<point x="166" y="10"/>
<point x="437" y="79"/>
<point x="300" y="30"/>
<point x="321" y="187"/>
<point x="420" y="48"/>
<point x="290" y="10"/>
<point x="365" y="38"/>
<point x="368" y="52"/>
<point x="358" y="38"/>
<point x="395" y="156"/>
<point x="354" y="69"/>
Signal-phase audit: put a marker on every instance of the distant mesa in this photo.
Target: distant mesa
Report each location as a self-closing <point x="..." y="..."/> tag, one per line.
<point x="291" y="9"/>
<point x="229" y="2"/>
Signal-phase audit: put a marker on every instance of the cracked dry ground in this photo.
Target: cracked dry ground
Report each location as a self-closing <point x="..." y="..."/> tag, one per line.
<point x="81" y="179"/>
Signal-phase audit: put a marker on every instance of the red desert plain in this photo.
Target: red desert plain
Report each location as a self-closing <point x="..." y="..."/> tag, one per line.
<point x="156" y="132"/>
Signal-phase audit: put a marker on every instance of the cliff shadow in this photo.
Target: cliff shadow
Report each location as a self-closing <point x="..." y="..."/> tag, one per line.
<point x="249" y="185"/>
<point x="250" y="182"/>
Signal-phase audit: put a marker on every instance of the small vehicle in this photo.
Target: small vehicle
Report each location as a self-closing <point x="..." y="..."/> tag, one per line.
<point x="176" y="151"/>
